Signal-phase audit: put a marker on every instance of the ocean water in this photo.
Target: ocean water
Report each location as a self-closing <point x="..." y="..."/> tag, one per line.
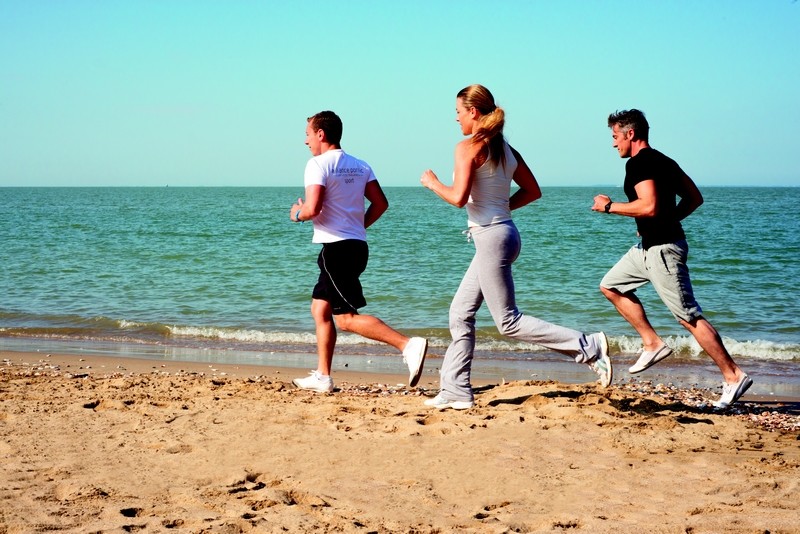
<point x="222" y="274"/>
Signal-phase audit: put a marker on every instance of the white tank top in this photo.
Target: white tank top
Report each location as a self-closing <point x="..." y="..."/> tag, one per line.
<point x="491" y="189"/>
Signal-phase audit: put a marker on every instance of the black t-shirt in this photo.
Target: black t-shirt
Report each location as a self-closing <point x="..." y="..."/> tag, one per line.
<point x="650" y="164"/>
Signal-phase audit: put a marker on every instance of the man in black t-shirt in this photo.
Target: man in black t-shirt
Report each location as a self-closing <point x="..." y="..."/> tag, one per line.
<point x="653" y="183"/>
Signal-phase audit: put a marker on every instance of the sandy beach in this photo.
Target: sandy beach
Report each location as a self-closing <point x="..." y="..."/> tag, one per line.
<point x="94" y="444"/>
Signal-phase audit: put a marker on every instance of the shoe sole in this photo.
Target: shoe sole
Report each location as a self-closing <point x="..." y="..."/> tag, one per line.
<point x="604" y="356"/>
<point x="666" y="354"/>
<point x="298" y="386"/>
<point x="455" y="405"/>
<point x="413" y="378"/>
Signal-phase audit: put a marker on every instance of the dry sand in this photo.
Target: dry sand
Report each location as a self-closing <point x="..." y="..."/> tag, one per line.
<point x="109" y="445"/>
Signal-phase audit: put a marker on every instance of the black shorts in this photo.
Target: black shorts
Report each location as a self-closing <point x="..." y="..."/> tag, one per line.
<point x="340" y="265"/>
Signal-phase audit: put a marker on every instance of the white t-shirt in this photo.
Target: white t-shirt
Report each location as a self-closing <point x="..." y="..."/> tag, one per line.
<point x="345" y="178"/>
<point x="491" y="189"/>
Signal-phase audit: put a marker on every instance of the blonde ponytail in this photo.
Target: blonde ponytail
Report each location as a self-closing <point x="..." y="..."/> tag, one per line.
<point x="491" y="122"/>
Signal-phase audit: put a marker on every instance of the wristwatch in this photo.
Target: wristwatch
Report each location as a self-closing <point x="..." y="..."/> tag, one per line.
<point x="608" y="207"/>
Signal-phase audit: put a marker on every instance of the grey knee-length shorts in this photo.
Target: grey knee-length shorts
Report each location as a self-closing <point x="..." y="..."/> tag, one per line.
<point x="665" y="267"/>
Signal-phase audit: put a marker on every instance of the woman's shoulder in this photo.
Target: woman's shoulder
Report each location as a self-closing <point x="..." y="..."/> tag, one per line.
<point x="469" y="148"/>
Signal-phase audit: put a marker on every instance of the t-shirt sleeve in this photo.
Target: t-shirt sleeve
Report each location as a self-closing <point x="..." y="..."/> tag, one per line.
<point x="371" y="175"/>
<point x="637" y="169"/>
<point x="314" y="174"/>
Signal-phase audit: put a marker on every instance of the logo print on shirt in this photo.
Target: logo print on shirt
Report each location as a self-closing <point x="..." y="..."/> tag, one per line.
<point x="348" y="173"/>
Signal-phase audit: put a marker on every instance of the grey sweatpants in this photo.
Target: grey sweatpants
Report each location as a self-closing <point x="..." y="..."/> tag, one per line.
<point x="489" y="279"/>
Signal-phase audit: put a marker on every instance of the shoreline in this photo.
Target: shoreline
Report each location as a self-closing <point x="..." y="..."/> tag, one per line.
<point x="359" y="377"/>
<point x="106" y="366"/>
<point x="773" y="380"/>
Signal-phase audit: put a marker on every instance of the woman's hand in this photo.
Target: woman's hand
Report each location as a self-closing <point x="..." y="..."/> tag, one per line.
<point x="429" y="179"/>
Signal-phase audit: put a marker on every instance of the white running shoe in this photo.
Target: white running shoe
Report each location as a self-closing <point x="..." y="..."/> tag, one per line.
<point x="441" y="403"/>
<point x="602" y="364"/>
<point x="414" y="356"/>
<point x="649" y="358"/>
<point x="732" y="392"/>
<point x="315" y="382"/>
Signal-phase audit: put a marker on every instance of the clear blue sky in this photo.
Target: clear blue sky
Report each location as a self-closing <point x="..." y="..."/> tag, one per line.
<point x="184" y="93"/>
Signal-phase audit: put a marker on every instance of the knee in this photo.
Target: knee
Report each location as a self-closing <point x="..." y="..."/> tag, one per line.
<point x="508" y="325"/>
<point x="320" y="311"/>
<point x="505" y="330"/>
<point x="458" y="318"/>
<point x="343" y="322"/>
<point x="610" y="294"/>
<point x="698" y="324"/>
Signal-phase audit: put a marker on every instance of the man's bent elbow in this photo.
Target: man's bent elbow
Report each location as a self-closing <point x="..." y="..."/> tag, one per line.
<point x="649" y="210"/>
<point x="379" y="208"/>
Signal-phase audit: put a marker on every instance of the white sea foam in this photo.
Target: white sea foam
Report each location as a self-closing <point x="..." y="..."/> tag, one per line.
<point x="129" y="324"/>
<point x="684" y="346"/>
<point x="259" y="336"/>
<point x="241" y="335"/>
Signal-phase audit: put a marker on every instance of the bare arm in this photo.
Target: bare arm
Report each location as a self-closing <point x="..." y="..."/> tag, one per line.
<point x="304" y="211"/>
<point x="529" y="189"/>
<point x="378" y="203"/>
<point x="458" y="193"/>
<point x="644" y="206"/>
<point x="691" y="198"/>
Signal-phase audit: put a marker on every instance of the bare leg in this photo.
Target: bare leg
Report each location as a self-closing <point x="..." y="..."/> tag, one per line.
<point x="371" y="328"/>
<point x="326" y="334"/>
<point x="711" y="342"/>
<point x="630" y="308"/>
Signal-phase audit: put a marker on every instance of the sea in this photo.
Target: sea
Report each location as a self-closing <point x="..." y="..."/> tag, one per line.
<point x="221" y="275"/>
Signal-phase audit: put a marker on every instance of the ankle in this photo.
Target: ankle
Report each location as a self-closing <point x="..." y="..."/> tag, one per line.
<point x="653" y="345"/>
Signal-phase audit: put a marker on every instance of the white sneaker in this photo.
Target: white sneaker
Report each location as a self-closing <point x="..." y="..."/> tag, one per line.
<point x="414" y="356"/>
<point x="649" y="358"/>
<point x="732" y="392"/>
<point x="602" y="364"/>
<point x="315" y="382"/>
<point x="441" y="403"/>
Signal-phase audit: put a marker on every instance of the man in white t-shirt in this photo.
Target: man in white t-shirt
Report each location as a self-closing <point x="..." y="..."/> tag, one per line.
<point x="336" y="184"/>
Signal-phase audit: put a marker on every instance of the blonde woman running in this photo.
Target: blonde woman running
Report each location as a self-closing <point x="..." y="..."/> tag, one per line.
<point x="485" y="165"/>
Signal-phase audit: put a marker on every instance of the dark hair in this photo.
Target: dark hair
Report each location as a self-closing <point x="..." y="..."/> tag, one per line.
<point x="490" y="125"/>
<point x="631" y="119"/>
<point x="330" y="123"/>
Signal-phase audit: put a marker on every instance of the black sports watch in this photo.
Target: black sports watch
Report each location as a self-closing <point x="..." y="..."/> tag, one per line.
<point x="608" y="206"/>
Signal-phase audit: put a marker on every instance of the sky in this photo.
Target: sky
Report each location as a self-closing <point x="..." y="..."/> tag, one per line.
<point x="216" y="93"/>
